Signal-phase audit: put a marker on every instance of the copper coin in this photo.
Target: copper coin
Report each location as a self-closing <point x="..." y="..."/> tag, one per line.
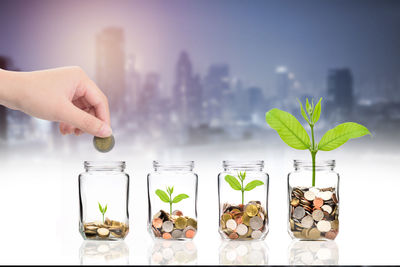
<point x="318" y="202"/>
<point x="238" y="219"/>
<point x="334" y="198"/>
<point x="330" y="235"/>
<point x="177" y="213"/>
<point x="233" y="236"/>
<point x="157" y="223"/>
<point x="166" y="236"/>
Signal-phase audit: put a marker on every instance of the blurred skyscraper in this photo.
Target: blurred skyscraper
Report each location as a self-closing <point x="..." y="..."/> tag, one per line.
<point x="216" y="85"/>
<point x="132" y="90"/>
<point x="4" y="64"/>
<point x="110" y="67"/>
<point x="340" y="93"/>
<point x="187" y="92"/>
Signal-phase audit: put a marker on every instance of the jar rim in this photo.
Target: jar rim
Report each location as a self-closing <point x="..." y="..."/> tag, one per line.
<point x="243" y="163"/>
<point x="318" y="164"/>
<point x="173" y="164"/>
<point x="104" y="165"/>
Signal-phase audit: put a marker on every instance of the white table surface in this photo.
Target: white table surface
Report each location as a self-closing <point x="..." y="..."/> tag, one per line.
<point x="39" y="209"/>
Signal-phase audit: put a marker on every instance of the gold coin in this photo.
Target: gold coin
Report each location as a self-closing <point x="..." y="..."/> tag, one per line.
<point x="226" y="217"/>
<point x="103" y="232"/>
<point x="192" y="222"/>
<point x="335" y="224"/>
<point x="297" y="234"/>
<point x="246" y="219"/>
<point x="251" y="210"/>
<point x="291" y="224"/>
<point x="295" y="202"/>
<point x="104" y="144"/>
<point x="180" y="223"/>
<point x="314" y="234"/>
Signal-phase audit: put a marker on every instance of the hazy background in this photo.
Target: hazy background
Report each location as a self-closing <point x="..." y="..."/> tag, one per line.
<point x="192" y="80"/>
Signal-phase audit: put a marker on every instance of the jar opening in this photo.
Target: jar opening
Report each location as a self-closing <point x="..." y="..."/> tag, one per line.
<point x="104" y="165"/>
<point x="173" y="165"/>
<point x="243" y="165"/>
<point x="319" y="165"/>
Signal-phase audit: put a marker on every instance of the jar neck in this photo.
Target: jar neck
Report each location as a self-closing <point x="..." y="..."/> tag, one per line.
<point x="326" y="165"/>
<point x="184" y="166"/>
<point x="104" y="166"/>
<point x="231" y="165"/>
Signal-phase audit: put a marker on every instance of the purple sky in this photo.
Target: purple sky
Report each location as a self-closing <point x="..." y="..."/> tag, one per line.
<point x="253" y="37"/>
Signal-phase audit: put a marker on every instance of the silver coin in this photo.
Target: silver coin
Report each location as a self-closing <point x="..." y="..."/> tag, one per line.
<point x="327" y="208"/>
<point x="299" y="212"/>
<point x="318" y="215"/>
<point x="241" y="229"/>
<point x="324" y="226"/>
<point x="231" y="224"/>
<point x="176" y="234"/>
<point x="256" y="234"/>
<point x="326" y="195"/>
<point x="309" y="195"/>
<point x="307" y="221"/>
<point x="256" y="223"/>
<point x="167" y="226"/>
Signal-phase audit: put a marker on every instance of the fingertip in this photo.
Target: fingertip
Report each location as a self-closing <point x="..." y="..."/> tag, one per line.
<point x="105" y="130"/>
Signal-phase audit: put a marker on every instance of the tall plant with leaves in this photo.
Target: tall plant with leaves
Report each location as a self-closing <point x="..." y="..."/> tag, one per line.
<point x="295" y="135"/>
<point x="236" y="185"/>
<point x="167" y="197"/>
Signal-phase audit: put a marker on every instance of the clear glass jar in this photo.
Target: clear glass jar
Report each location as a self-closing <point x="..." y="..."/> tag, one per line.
<point x="103" y="200"/>
<point x="243" y="214"/>
<point x="172" y="195"/>
<point x="313" y="210"/>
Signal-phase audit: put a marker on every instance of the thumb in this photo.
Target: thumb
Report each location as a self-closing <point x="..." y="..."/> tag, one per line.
<point x="87" y="122"/>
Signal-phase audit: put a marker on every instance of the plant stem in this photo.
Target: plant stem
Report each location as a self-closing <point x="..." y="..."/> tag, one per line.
<point x="170" y="204"/>
<point x="242" y="193"/>
<point x="313" y="154"/>
<point x="103" y="217"/>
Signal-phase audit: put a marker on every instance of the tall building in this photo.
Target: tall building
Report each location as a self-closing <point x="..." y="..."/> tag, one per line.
<point x="187" y="92"/>
<point x="4" y="64"/>
<point x="216" y="86"/>
<point x="132" y="88"/>
<point x="110" y="66"/>
<point x="340" y="89"/>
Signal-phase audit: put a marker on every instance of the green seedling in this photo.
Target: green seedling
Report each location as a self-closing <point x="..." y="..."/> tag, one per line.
<point x="236" y="185"/>
<point x="102" y="210"/>
<point x="167" y="198"/>
<point x="295" y="135"/>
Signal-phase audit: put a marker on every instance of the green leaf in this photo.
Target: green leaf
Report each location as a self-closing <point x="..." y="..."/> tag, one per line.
<point x="288" y="128"/>
<point x="100" y="207"/>
<point x="339" y="135"/>
<point x="162" y="195"/>
<point x="242" y="176"/>
<point x="303" y="113"/>
<point x="253" y="184"/>
<point x="105" y="209"/>
<point x="179" y="197"/>
<point x="233" y="182"/>
<point x="308" y="107"/>
<point x="317" y="112"/>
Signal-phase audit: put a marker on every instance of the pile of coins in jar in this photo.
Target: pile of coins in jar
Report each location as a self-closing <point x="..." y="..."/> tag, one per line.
<point x="314" y="213"/>
<point x="173" y="226"/>
<point x="244" y="221"/>
<point x="108" y="230"/>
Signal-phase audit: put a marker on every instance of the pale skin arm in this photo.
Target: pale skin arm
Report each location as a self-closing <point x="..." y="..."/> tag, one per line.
<point x="65" y="95"/>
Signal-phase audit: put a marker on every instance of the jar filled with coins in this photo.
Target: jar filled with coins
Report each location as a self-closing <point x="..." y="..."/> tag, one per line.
<point x="103" y="199"/>
<point x="172" y="193"/>
<point x="243" y="200"/>
<point x="313" y="201"/>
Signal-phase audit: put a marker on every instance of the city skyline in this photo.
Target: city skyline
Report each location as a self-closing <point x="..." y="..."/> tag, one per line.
<point x="279" y="33"/>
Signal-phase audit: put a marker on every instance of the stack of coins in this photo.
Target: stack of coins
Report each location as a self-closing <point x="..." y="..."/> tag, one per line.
<point x="244" y="222"/>
<point x="173" y="226"/>
<point x="107" y="230"/>
<point x="314" y="213"/>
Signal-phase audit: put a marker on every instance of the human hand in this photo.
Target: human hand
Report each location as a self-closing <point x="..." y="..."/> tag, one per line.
<point x="66" y="95"/>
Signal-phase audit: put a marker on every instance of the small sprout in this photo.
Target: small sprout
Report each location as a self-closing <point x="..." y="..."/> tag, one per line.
<point x="167" y="198"/>
<point x="102" y="210"/>
<point x="236" y="185"/>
